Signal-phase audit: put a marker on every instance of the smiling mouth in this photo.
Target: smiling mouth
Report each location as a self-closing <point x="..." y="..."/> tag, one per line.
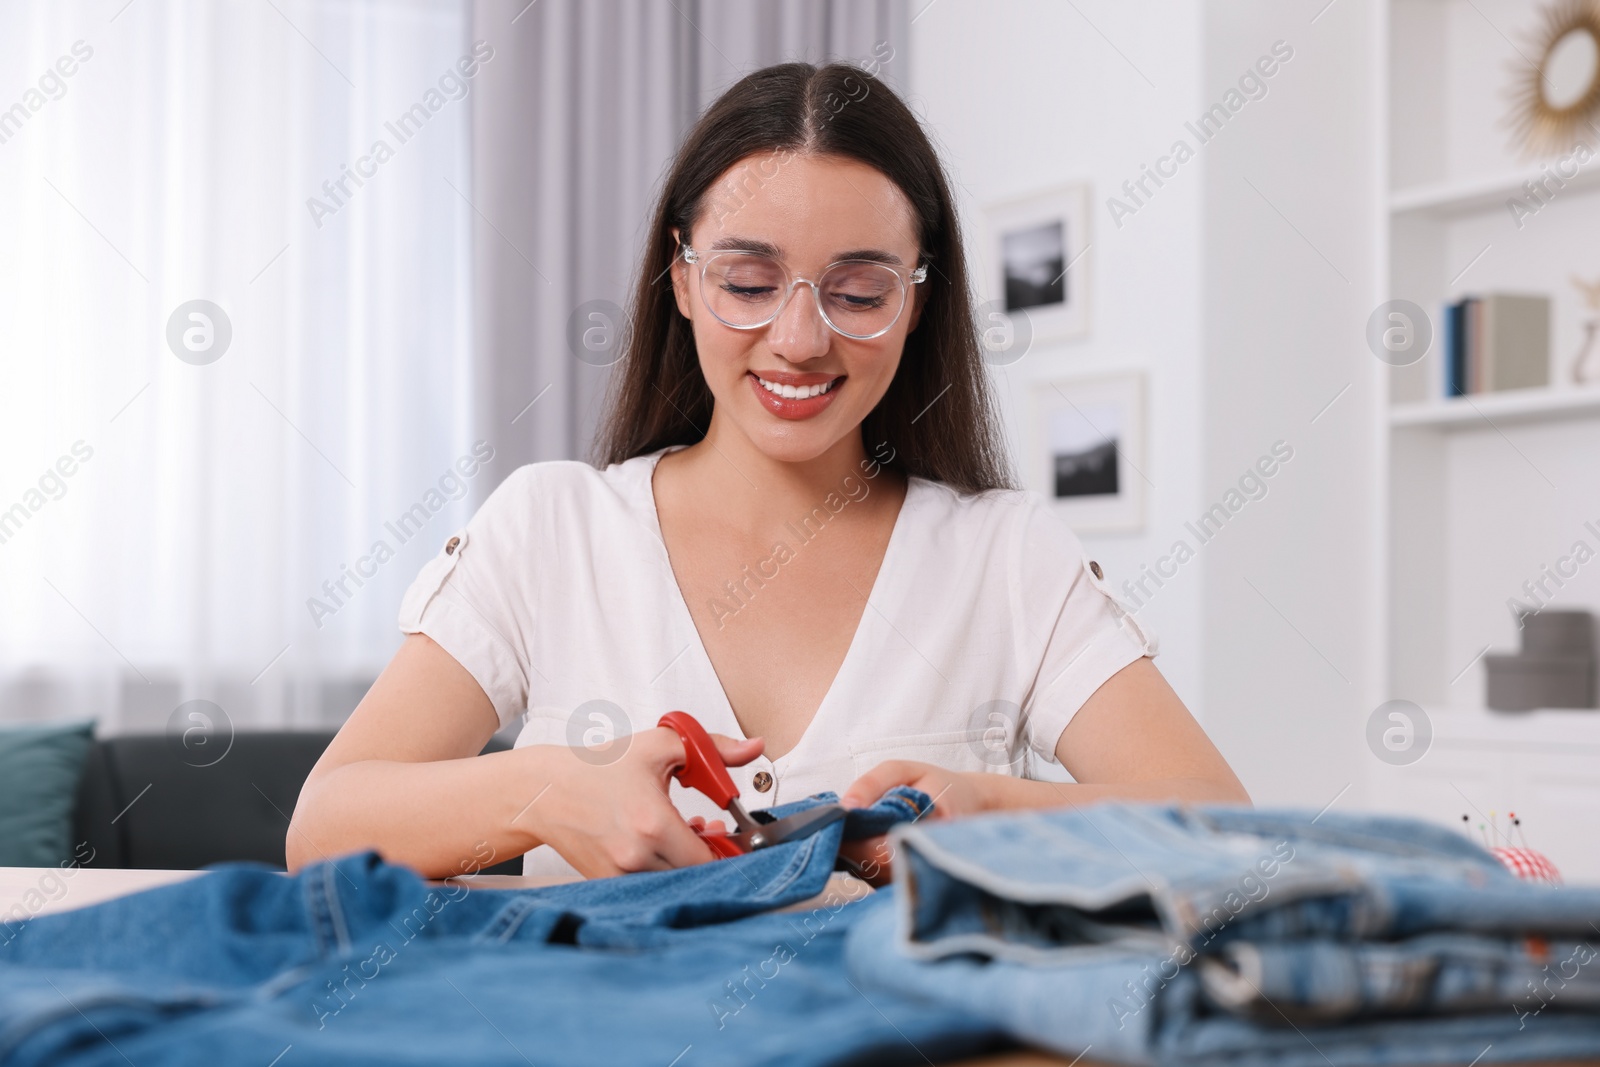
<point x="796" y="392"/>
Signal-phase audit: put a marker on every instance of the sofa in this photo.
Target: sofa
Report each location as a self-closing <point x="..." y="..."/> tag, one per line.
<point x="141" y="803"/>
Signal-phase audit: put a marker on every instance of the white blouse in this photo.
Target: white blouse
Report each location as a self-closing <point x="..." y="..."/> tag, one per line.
<point x="985" y="631"/>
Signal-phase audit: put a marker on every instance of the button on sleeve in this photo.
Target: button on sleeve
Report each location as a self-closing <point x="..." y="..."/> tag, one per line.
<point x="1074" y="632"/>
<point x="429" y="580"/>
<point x="468" y="602"/>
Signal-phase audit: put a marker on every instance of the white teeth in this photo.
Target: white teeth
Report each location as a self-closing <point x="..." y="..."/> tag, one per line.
<point x="793" y="392"/>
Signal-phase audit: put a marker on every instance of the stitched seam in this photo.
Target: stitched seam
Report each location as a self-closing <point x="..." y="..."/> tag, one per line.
<point x="797" y="866"/>
<point x="335" y="912"/>
<point x="509" y="921"/>
<point x="316" y="909"/>
<point x="20" y="1031"/>
<point x="911" y="807"/>
<point x="283" y="982"/>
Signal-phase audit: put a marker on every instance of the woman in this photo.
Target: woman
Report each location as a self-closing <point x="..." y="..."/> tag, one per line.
<point x="803" y="534"/>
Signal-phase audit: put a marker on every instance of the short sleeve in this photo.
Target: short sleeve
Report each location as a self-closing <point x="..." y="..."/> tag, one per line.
<point x="1075" y="631"/>
<point x="467" y="599"/>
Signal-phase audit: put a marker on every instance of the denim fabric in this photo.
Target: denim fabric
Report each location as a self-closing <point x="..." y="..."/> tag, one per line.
<point x="1167" y="934"/>
<point x="356" y="961"/>
<point x="1328" y="981"/>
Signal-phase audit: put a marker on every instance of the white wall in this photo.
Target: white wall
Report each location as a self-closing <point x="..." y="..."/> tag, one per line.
<point x="1025" y="95"/>
<point x="1291" y="259"/>
<point x="1242" y="284"/>
<point x="1454" y="66"/>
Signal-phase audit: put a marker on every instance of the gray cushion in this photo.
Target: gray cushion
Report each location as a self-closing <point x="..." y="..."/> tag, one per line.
<point x="40" y="765"/>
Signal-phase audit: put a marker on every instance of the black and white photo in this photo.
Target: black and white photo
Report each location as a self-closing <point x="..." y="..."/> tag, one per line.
<point x="1085" y="449"/>
<point x="1038" y="253"/>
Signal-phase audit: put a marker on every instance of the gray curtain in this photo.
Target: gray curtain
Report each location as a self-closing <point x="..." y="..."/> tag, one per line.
<point x="575" y="120"/>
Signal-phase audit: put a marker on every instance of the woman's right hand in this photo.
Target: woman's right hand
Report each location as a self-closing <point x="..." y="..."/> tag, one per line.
<point x="608" y="818"/>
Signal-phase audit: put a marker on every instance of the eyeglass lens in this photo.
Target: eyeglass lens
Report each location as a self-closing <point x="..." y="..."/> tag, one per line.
<point x="858" y="299"/>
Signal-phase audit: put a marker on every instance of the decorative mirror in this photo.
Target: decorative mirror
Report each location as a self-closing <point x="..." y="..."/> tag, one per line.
<point x="1557" y="96"/>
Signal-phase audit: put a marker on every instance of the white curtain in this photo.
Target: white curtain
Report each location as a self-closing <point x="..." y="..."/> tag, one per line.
<point x="396" y="205"/>
<point x="208" y="502"/>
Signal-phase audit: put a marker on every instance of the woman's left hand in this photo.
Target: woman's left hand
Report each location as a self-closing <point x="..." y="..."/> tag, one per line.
<point x="954" y="793"/>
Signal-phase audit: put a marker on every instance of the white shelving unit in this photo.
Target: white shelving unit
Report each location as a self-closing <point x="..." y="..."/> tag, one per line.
<point x="1453" y="198"/>
<point x="1487" y="410"/>
<point x="1486" y="494"/>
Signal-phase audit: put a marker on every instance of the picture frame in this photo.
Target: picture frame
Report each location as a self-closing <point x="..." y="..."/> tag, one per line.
<point x="1036" y="260"/>
<point x="1085" y="450"/>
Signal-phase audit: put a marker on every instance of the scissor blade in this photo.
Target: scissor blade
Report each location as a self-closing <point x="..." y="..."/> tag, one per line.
<point x="801" y="824"/>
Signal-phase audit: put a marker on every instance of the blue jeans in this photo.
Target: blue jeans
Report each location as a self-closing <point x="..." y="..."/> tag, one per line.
<point x="1150" y="934"/>
<point x="356" y="961"/>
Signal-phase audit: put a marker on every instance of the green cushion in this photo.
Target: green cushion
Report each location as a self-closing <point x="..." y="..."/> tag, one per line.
<point x="40" y="765"/>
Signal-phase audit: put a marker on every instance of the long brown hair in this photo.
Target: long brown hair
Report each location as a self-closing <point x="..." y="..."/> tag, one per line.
<point x="938" y="414"/>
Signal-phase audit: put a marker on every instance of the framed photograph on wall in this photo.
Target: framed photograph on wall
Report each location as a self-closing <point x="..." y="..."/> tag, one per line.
<point x="1035" y="250"/>
<point x="1086" y="450"/>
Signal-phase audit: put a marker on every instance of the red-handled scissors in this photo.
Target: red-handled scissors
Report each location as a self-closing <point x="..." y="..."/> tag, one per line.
<point x="704" y="770"/>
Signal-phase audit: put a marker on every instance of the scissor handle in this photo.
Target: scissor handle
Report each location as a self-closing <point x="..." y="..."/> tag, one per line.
<point x="702" y="768"/>
<point x="721" y="845"/>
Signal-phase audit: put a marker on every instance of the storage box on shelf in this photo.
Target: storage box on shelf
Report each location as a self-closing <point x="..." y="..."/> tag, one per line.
<point x="1555" y="668"/>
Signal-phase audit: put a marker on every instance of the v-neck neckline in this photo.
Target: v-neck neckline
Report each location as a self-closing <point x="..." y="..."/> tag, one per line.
<point x="686" y="617"/>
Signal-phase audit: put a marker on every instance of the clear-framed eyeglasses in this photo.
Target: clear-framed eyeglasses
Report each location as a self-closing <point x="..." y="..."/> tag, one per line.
<point x="858" y="298"/>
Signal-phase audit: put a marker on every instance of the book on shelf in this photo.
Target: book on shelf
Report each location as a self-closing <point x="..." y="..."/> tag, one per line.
<point x="1494" y="342"/>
